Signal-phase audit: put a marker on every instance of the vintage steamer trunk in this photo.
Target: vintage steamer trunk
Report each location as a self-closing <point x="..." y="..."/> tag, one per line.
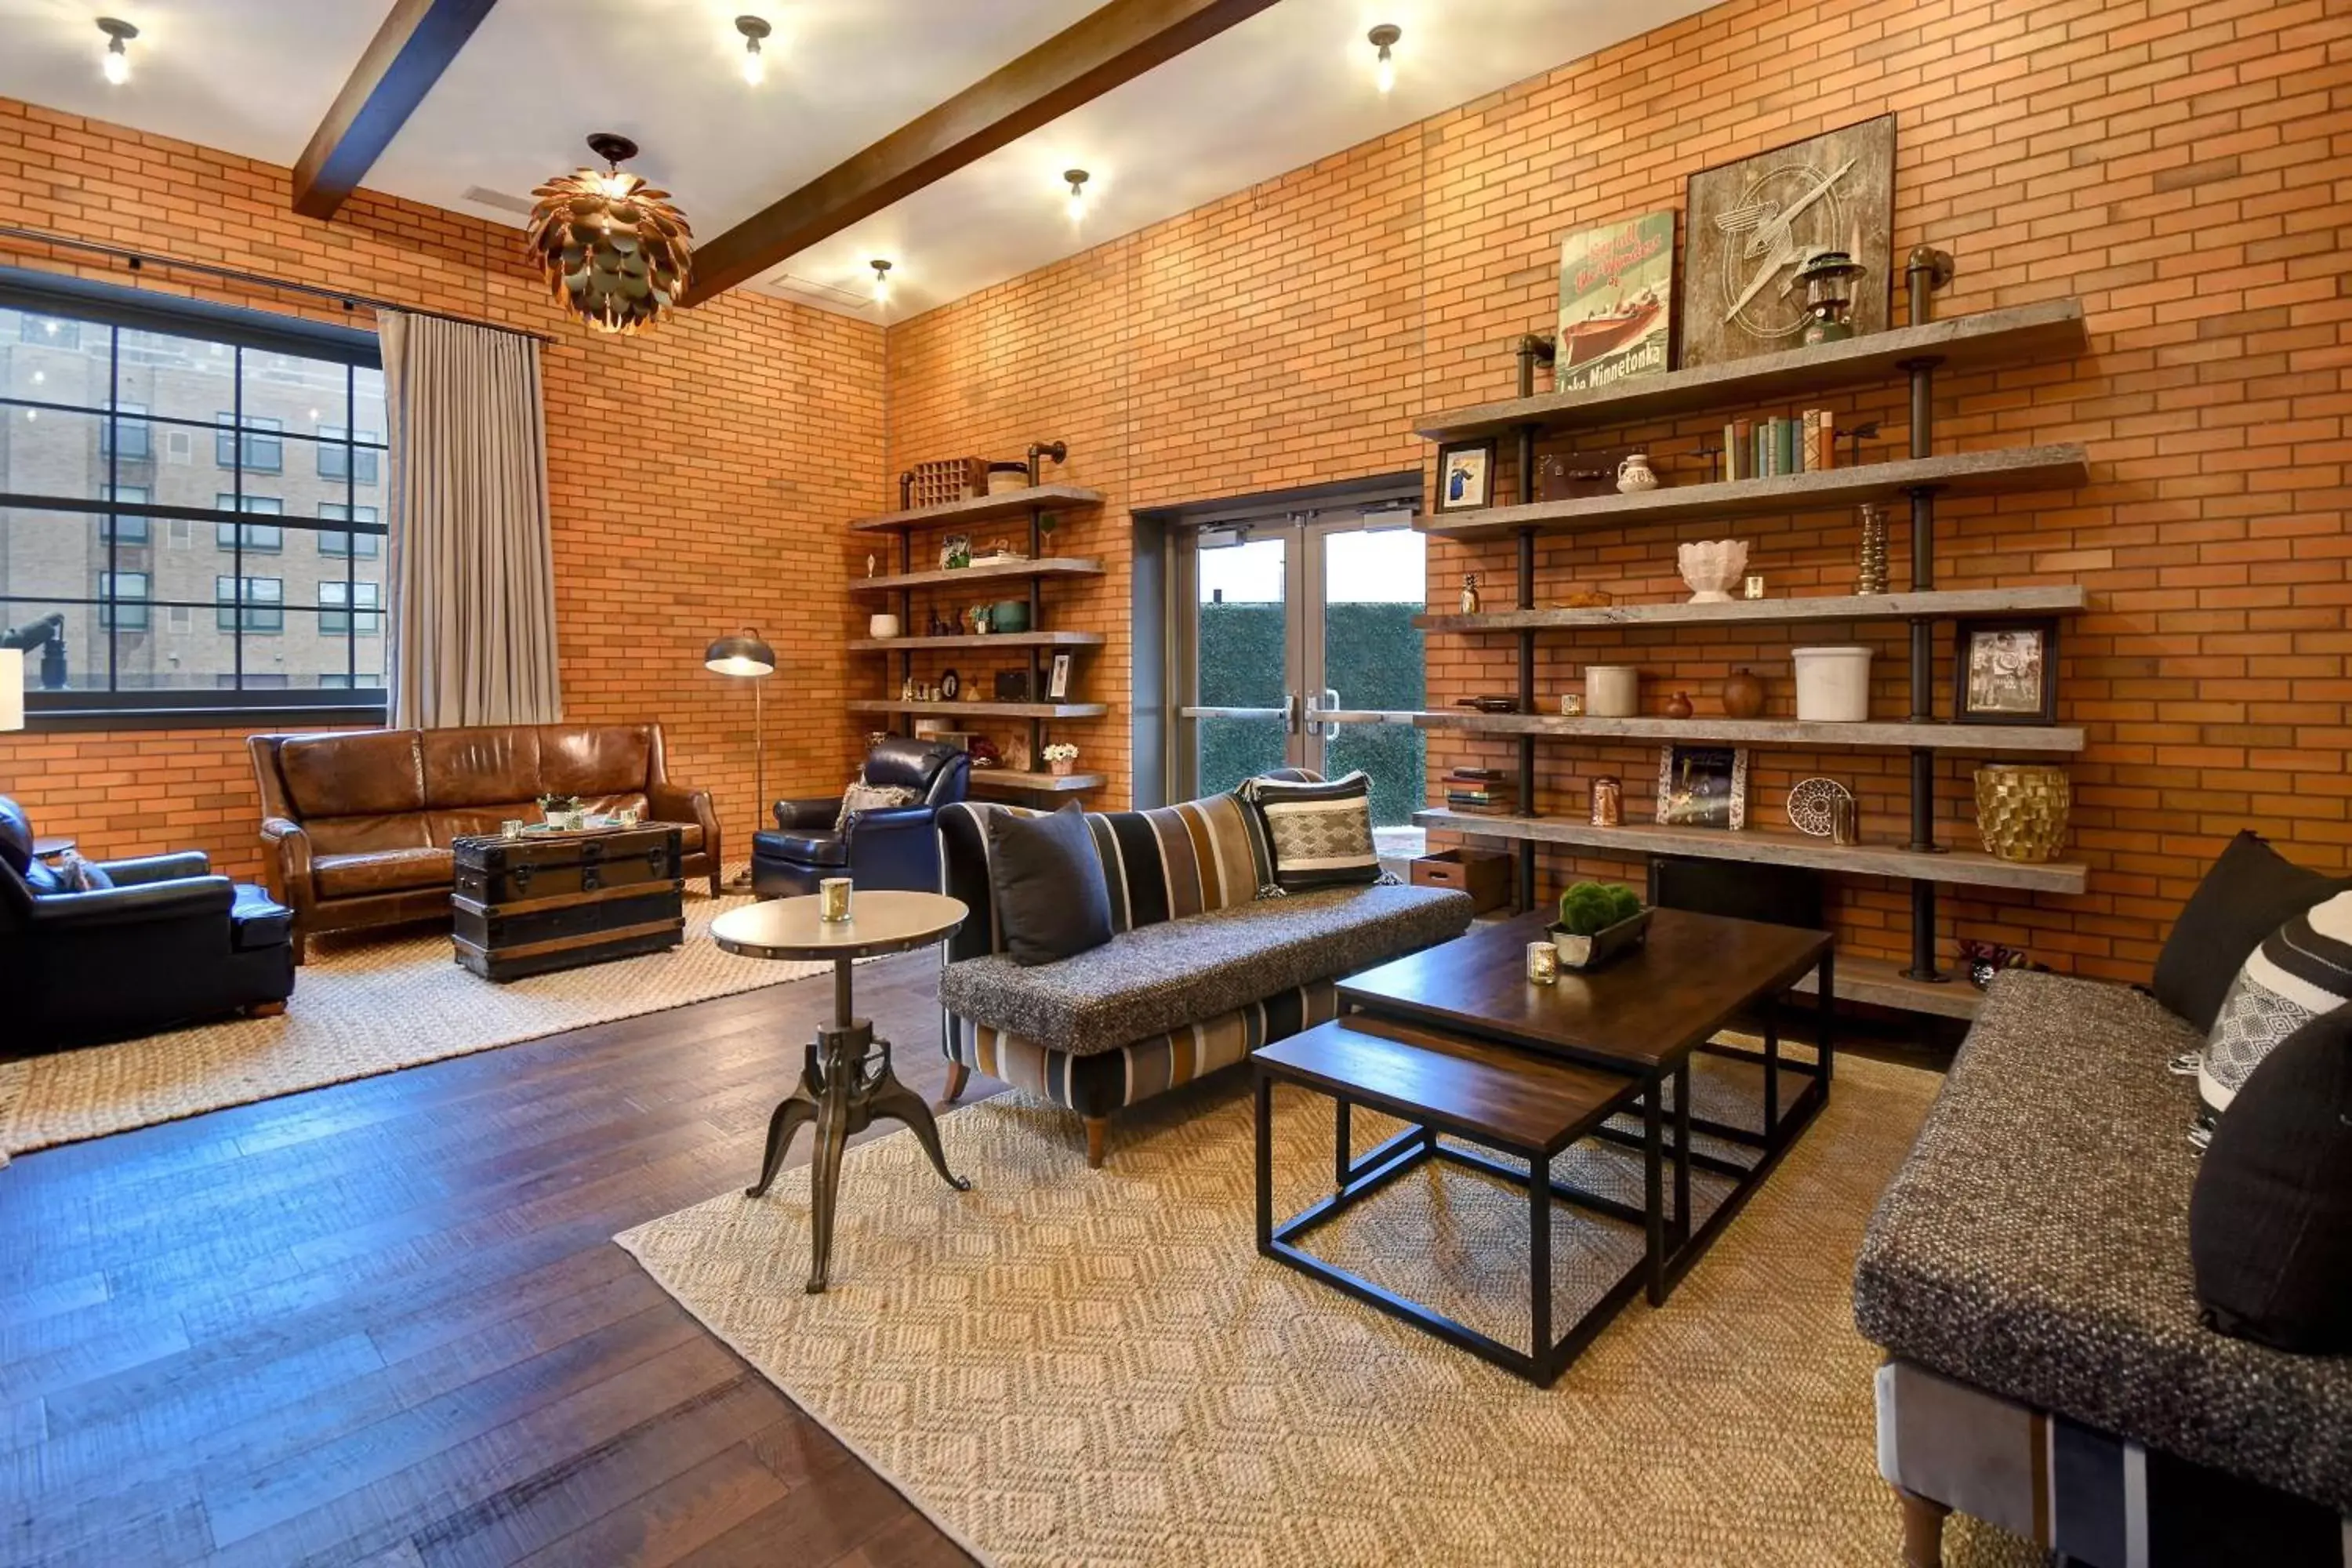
<point x="527" y="906"/>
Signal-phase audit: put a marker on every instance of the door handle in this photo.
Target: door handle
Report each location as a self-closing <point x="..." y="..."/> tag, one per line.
<point x="1290" y="713"/>
<point x="1329" y="704"/>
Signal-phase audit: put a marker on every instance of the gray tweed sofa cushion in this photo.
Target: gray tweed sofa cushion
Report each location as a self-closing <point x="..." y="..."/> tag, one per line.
<point x="2036" y="1244"/>
<point x="1163" y="976"/>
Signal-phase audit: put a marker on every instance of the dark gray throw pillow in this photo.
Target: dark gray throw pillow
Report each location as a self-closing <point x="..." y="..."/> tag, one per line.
<point x="2269" y="1219"/>
<point x="2251" y="891"/>
<point x="1052" y="899"/>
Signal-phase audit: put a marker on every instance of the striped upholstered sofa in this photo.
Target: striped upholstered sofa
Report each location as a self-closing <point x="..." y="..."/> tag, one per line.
<point x="2028" y="1274"/>
<point x="1199" y="972"/>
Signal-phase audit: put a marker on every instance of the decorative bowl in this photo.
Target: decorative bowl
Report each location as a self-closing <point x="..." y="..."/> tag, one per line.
<point x="1604" y="946"/>
<point x="1711" y="566"/>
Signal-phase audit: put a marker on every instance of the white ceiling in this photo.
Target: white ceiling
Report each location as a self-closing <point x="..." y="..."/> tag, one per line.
<point x="1291" y="84"/>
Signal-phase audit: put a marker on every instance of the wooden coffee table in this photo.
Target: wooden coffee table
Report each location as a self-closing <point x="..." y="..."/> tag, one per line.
<point x="1456" y="1040"/>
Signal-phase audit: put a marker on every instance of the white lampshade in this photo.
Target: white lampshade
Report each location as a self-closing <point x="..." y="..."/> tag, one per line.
<point x="12" y="688"/>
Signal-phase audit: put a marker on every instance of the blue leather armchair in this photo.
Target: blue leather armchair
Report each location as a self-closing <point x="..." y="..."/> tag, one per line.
<point x="168" y="944"/>
<point x="894" y="848"/>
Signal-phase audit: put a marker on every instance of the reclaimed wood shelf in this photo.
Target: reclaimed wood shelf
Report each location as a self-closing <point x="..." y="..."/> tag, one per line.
<point x="1880" y="983"/>
<point x="983" y="709"/>
<point x="1010" y="780"/>
<point x="983" y="509"/>
<point x="1047" y="566"/>
<point x="981" y="639"/>
<point x="2004" y="469"/>
<point x="1943" y="605"/>
<point x="2048" y="738"/>
<point x="1962" y="868"/>
<point x="1988" y="340"/>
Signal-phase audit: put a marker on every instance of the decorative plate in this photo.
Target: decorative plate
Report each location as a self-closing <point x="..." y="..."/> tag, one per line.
<point x="951" y="687"/>
<point x="1812" y="804"/>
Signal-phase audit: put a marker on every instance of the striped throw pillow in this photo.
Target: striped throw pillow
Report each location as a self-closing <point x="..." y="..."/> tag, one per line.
<point x="1318" y="835"/>
<point x="2302" y="970"/>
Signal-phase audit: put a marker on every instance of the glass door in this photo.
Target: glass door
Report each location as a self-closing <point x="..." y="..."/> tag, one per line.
<point x="1245" y="656"/>
<point x="1298" y="649"/>
<point x="1368" y="578"/>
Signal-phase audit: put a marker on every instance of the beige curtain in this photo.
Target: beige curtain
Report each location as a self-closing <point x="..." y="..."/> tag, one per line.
<point x="472" y="567"/>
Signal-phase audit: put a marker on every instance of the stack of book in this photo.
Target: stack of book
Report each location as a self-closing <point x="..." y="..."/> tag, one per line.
<point x="1481" y="789"/>
<point x="1763" y="448"/>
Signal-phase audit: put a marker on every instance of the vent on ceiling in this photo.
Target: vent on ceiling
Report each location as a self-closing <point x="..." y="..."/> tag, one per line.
<point x="481" y="196"/>
<point x="826" y="296"/>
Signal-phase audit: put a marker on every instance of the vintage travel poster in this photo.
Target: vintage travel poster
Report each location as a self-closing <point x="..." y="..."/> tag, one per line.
<point x="1616" y="301"/>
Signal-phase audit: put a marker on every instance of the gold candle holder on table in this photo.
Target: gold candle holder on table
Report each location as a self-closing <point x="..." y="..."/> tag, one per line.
<point x="1543" y="962"/>
<point x="832" y="895"/>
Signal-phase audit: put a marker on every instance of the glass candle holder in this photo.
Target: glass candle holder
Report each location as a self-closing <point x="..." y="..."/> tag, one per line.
<point x="1571" y="704"/>
<point x="1608" y="803"/>
<point x="1543" y="962"/>
<point x="1755" y="585"/>
<point x="510" y="828"/>
<point x="832" y="899"/>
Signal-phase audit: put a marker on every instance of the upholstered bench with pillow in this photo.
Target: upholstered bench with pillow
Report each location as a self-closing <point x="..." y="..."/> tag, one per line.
<point x="2052" y="1271"/>
<point x="1197" y="970"/>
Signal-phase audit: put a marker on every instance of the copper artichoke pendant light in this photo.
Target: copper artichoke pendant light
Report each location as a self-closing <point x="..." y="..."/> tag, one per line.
<point x="614" y="251"/>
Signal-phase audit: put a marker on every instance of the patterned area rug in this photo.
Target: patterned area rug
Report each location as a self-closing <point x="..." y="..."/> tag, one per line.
<point x="360" y="1006"/>
<point x="1066" y="1366"/>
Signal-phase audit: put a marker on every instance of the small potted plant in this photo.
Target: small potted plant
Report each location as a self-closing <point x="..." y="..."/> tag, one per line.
<point x="562" y="811"/>
<point x="1599" y="923"/>
<point x="1063" y="758"/>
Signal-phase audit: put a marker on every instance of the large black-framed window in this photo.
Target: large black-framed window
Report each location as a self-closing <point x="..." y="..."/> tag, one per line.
<point x="143" y="442"/>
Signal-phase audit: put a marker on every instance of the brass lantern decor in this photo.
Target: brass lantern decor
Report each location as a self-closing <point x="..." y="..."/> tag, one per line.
<point x="615" y="253"/>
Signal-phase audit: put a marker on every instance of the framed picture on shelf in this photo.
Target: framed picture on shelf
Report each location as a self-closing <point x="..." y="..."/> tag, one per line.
<point x="1057" y="680"/>
<point x="1616" y="301"/>
<point x="1703" y="786"/>
<point x="1750" y="225"/>
<point x="1466" y="476"/>
<point x="2005" y="672"/>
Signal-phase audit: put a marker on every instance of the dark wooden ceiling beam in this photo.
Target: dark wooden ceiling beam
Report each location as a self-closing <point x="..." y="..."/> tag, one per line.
<point x="410" y="51"/>
<point x="1084" y="61"/>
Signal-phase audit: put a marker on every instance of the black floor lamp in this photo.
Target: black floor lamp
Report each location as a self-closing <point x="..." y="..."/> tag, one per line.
<point x="745" y="656"/>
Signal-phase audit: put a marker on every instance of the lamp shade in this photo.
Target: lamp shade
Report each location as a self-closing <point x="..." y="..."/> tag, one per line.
<point x="12" y="688"/>
<point x="743" y="654"/>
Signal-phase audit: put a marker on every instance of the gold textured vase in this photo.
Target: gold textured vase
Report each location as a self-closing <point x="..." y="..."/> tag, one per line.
<point x="2022" y="811"/>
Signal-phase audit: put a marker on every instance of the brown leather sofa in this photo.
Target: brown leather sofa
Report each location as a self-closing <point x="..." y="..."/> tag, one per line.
<point x="355" y="828"/>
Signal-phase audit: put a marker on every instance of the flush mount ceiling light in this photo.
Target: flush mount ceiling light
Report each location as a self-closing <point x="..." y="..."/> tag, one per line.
<point x="117" y="59"/>
<point x="881" y="280"/>
<point x="614" y="251"/>
<point x="1383" y="39"/>
<point x="755" y="63"/>
<point x="1078" y="179"/>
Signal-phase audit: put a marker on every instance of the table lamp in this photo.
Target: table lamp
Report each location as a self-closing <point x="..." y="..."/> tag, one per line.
<point x="746" y="656"/>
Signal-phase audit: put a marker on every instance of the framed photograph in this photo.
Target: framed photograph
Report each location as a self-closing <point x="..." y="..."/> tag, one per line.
<point x="1057" y="681"/>
<point x="1703" y="786"/>
<point x="1616" y="302"/>
<point x="1748" y="226"/>
<point x="1466" y="476"/>
<point x="2005" y="672"/>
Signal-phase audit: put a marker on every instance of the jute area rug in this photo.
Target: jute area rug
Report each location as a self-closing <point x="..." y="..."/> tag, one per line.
<point x="361" y="1006"/>
<point x="1066" y="1366"/>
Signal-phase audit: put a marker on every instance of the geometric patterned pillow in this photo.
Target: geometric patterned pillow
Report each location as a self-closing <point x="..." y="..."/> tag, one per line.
<point x="863" y="797"/>
<point x="1320" y="835"/>
<point x="2302" y="970"/>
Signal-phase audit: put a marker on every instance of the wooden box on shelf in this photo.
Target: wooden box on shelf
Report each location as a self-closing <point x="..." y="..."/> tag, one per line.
<point x="947" y="479"/>
<point x="1483" y="874"/>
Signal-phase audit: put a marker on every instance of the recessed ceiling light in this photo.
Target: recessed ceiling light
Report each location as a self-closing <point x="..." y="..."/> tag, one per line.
<point x="1077" y="178"/>
<point x="1383" y="39"/>
<point x="881" y="280"/>
<point x="755" y="64"/>
<point x="117" y="58"/>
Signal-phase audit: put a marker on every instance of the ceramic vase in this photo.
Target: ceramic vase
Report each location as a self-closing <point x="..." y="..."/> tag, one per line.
<point x="1743" y="694"/>
<point x="1634" y="474"/>
<point x="1711" y="566"/>
<point x="2022" y="810"/>
<point x="882" y="627"/>
<point x="1678" y="706"/>
<point x="1062" y="767"/>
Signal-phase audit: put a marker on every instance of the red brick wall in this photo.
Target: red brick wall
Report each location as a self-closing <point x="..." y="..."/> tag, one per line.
<point x="699" y="476"/>
<point x="2180" y="167"/>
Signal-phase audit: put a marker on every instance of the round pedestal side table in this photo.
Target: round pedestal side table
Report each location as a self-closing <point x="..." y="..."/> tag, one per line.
<point x="846" y="1078"/>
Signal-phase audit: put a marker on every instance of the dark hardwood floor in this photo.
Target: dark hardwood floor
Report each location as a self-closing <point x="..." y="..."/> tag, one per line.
<point x="384" y="1323"/>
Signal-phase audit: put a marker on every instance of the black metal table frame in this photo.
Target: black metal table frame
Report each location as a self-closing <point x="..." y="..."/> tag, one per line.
<point x="1671" y="1248"/>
